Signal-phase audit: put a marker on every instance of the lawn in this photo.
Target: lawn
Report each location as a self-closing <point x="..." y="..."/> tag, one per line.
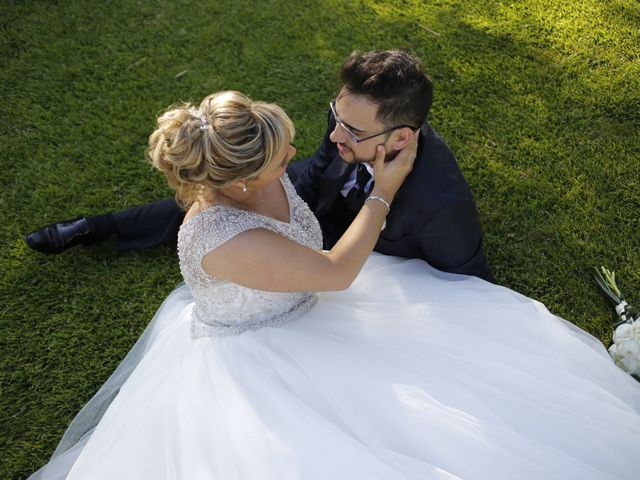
<point x="538" y="99"/>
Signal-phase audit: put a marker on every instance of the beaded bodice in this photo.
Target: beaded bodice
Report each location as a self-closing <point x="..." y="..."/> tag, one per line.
<point x="222" y="307"/>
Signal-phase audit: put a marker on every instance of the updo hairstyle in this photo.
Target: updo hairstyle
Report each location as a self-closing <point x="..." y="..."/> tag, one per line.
<point x="229" y="138"/>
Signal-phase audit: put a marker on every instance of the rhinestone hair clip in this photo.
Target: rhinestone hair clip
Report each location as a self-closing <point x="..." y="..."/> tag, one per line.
<point x="203" y="120"/>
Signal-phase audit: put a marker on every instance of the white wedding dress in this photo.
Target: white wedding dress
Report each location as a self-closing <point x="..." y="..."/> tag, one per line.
<point x="409" y="374"/>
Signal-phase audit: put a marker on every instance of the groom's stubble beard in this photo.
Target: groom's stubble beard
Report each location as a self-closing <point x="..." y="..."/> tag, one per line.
<point x="387" y="158"/>
<point x="390" y="155"/>
<point x="358" y="159"/>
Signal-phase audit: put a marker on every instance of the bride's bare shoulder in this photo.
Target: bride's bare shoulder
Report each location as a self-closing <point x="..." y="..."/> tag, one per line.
<point x="195" y="208"/>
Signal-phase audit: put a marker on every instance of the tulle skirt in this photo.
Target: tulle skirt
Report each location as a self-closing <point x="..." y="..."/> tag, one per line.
<point x="410" y="374"/>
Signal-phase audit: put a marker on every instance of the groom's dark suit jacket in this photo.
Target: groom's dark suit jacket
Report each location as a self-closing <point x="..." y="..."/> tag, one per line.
<point x="433" y="215"/>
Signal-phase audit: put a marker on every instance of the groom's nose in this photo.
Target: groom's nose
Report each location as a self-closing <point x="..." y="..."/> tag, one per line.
<point x="338" y="135"/>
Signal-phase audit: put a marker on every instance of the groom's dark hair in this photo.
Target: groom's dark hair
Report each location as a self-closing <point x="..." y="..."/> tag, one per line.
<point x="394" y="80"/>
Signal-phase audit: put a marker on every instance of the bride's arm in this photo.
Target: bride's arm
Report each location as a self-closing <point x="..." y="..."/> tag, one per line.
<point x="264" y="260"/>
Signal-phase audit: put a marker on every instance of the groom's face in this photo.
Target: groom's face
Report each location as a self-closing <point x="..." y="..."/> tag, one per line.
<point x="357" y="114"/>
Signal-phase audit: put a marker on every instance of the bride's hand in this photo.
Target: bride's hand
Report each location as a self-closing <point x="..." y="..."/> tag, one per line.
<point x="389" y="176"/>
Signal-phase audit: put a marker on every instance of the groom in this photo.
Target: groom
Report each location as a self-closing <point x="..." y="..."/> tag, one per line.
<point x="385" y="97"/>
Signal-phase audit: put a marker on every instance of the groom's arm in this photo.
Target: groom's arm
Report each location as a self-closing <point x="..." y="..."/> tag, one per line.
<point x="451" y="241"/>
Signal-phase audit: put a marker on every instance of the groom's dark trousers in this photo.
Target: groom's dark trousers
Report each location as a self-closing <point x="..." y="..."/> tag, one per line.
<point x="433" y="216"/>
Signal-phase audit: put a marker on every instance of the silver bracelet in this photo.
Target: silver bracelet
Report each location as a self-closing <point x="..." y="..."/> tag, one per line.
<point x="380" y="199"/>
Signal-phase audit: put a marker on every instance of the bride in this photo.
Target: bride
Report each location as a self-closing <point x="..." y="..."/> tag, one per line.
<point x="408" y="373"/>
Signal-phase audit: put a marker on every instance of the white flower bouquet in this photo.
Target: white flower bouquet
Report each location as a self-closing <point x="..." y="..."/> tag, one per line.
<point x="625" y="350"/>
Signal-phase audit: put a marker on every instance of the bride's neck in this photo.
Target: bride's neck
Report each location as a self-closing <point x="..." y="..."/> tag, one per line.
<point x="234" y="197"/>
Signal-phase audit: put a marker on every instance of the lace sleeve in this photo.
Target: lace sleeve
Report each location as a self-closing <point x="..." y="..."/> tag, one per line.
<point x="211" y="228"/>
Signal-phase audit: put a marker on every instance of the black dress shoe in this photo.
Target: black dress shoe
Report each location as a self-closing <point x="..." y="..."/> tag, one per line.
<point x="57" y="237"/>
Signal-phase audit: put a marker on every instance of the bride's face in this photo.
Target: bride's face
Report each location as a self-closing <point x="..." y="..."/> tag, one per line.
<point x="276" y="168"/>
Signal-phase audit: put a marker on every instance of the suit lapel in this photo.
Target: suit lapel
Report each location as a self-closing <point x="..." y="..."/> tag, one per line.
<point x="331" y="183"/>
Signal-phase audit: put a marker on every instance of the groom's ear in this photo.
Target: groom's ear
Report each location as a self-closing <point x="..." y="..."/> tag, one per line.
<point x="402" y="137"/>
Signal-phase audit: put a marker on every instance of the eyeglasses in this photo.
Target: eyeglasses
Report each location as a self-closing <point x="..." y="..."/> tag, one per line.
<point x="352" y="136"/>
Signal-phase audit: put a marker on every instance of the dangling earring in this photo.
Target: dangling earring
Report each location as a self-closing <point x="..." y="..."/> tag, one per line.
<point x="244" y="188"/>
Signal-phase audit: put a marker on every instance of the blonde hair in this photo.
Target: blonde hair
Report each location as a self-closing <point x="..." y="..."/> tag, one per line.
<point x="228" y="138"/>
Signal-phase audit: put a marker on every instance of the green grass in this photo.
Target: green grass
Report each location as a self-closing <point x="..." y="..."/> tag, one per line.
<point x="539" y="100"/>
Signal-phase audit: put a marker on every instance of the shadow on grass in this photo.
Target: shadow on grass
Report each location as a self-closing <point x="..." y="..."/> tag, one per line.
<point x="542" y="117"/>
